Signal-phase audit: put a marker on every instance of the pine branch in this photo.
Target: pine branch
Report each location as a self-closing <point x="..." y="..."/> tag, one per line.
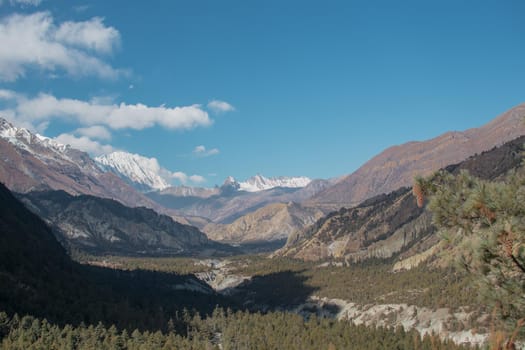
<point x="517" y="263"/>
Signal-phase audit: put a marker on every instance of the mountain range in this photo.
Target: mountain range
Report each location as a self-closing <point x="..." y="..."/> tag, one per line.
<point x="389" y="171"/>
<point x="259" y="208"/>
<point x="145" y="174"/>
<point x="33" y="162"/>
<point x="227" y="203"/>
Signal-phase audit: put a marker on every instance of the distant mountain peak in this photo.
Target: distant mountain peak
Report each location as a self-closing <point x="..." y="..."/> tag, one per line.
<point x="260" y="183"/>
<point x="141" y="172"/>
<point x="229" y="181"/>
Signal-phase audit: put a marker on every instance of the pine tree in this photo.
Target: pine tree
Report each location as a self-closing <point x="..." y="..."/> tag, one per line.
<point x="484" y="223"/>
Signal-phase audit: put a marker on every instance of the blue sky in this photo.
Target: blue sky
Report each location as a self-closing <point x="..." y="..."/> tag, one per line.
<point x="217" y="88"/>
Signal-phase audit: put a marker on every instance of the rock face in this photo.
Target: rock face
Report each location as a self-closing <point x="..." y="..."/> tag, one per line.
<point x="102" y="225"/>
<point x="378" y="227"/>
<point x="389" y="224"/>
<point x="396" y="166"/>
<point x="272" y="222"/>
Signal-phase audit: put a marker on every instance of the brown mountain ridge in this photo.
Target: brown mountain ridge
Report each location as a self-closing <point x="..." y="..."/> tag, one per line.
<point x="396" y="166"/>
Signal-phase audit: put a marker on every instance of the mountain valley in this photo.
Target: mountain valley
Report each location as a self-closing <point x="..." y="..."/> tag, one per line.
<point x="185" y="246"/>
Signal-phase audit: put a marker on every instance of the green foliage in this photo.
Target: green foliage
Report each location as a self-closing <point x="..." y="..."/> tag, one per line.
<point x="177" y="265"/>
<point x="364" y="283"/>
<point x="484" y="223"/>
<point x="223" y="330"/>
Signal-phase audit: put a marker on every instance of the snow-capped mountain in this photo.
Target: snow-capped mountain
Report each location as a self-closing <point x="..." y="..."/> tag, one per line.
<point x="26" y="140"/>
<point x="260" y="183"/>
<point x="46" y="149"/>
<point x="143" y="173"/>
<point x="30" y="162"/>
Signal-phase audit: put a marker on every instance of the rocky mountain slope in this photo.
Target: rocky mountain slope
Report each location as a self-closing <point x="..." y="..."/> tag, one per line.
<point x="389" y="224"/>
<point x="396" y="166"/>
<point x="271" y="222"/>
<point x="31" y="162"/>
<point x="100" y="225"/>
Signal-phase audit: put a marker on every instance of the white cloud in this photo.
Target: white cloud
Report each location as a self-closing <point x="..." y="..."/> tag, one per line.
<point x="8" y="95"/>
<point x="85" y="144"/>
<point x="183" y="178"/>
<point x="91" y="35"/>
<point x="220" y="106"/>
<point x="180" y="176"/>
<point x="95" y="132"/>
<point x="201" y="151"/>
<point x="34" y="41"/>
<point x="24" y="2"/>
<point x="45" y="107"/>
<point x="197" y="179"/>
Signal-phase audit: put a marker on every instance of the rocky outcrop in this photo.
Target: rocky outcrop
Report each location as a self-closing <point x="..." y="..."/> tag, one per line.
<point x="457" y="325"/>
<point x="100" y="225"/>
<point x="272" y="222"/>
<point x="396" y="166"/>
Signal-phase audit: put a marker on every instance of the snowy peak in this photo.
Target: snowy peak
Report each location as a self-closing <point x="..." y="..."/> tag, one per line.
<point x="46" y="149"/>
<point x="260" y="183"/>
<point x="25" y="139"/>
<point x="230" y="181"/>
<point x="143" y="173"/>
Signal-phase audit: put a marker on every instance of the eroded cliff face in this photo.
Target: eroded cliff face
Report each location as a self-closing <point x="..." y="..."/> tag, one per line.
<point x="389" y="224"/>
<point x="396" y="166"/>
<point x="270" y="223"/>
<point x="379" y="228"/>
